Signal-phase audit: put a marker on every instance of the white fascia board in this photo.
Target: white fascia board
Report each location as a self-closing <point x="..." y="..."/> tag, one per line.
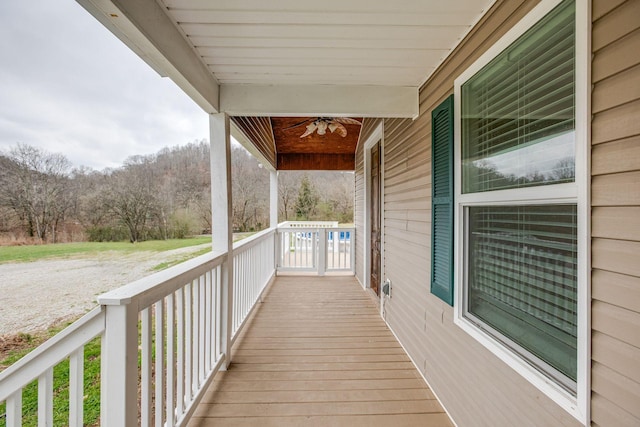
<point x="241" y="138"/>
<point x="320" y="100"/>
<point x="147" y="30"/>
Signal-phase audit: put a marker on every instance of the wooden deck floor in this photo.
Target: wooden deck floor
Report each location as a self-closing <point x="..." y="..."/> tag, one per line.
<point x="317" y="353"/>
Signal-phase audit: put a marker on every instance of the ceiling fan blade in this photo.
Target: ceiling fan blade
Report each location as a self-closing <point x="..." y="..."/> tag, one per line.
<point x="311" y="127"/>
<point x="298" y="124"/>
<point x="347" y="121"/>
<point x="322" y="127"/>
<point x="341" y="130"/>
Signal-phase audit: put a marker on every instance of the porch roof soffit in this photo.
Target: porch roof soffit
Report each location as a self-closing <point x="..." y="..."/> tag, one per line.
<point x="286" y="58"/>
<point x="145" y="27"/>
<point x="264" y="63"/>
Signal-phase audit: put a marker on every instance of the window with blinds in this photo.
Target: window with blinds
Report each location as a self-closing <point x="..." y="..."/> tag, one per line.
<point x="522" y="278"/>
<point x="518" y="111"/>
<point x="517" y="123"/>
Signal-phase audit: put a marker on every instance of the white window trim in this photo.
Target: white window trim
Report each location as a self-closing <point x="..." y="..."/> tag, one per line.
<point x="578" y="406"/>
<point x="376" y="136"/>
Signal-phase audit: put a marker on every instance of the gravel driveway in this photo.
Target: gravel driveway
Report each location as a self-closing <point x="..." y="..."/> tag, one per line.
<point x="35" y="295"/>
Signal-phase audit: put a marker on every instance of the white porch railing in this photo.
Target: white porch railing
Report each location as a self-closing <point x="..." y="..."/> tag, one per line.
<point x="170" y="331"/>
<point x="316" y="249"/>
<point x="38" y="365"/>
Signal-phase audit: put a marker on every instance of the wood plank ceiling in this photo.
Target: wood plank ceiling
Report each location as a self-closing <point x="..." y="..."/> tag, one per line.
<point x="280" y="141"/>
<point x="331" y="42"/>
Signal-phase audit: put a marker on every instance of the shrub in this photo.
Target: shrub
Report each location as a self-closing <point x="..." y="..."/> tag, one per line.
<point x="107" y="233"/>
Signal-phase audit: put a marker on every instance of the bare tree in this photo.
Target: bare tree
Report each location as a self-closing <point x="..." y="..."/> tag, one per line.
<point x="250" y="191"/>
<point x="340" y="196"/>
<point x="131" y="196"/>
<point x="564" y="170"/>
<point x="37" y="188"/>
<point x="288" y="184"/>
<point x="90" y="187"/>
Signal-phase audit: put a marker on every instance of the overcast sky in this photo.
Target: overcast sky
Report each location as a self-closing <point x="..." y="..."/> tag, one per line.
<point x="67" y="85"/>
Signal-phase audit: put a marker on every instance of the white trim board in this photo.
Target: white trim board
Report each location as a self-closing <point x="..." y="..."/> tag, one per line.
<point x="377" y="135"/>
<point x="319" y="100"/>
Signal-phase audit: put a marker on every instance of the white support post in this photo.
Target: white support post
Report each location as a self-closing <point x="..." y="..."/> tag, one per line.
<point x="273" y="214"/>
<point x="119" y="400"/>
<point x="322" y="251"/>
<point x="273" y="199"/>
<point x="221" y="210"/>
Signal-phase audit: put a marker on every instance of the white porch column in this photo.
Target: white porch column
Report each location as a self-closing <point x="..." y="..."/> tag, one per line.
<point x="221" y="225"/>
<point x="273" y="215"/>
<point x="119" y="394"/>
<point x="273" y="199"/>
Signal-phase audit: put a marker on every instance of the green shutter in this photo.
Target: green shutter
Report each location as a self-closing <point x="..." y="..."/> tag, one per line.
<point x="442" y="201"/>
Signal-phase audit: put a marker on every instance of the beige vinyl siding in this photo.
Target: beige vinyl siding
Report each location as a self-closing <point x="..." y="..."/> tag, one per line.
<point x="368" y="127"/>
<point x="472" y="383"/>
<point x="615" y="198"/>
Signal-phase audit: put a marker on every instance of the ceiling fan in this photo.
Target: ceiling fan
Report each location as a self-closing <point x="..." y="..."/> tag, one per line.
<point x="321" y="124"/>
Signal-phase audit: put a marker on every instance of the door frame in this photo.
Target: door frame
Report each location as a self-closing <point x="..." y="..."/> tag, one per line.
<point x="376" y="136"/>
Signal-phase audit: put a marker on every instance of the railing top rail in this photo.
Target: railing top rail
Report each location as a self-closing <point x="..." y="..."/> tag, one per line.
<point x="150" y="289"/>
<point x="314" y="229"/>
<point x="245" y="244"/>
<point x="51" y="352"/>
<point x="308" y="224"/>
<point x="299" y="230"/>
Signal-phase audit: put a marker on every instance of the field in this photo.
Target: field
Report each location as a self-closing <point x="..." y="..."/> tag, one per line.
<point x="89" y="249"/>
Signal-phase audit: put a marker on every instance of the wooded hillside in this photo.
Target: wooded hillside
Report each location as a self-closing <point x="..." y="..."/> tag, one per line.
<point x="44" y="198"/>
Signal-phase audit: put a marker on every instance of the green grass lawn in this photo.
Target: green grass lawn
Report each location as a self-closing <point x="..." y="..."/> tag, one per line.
<point x="87" y="249"/>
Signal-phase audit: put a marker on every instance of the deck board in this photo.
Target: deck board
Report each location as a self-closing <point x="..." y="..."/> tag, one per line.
<point x="316" y="353"/>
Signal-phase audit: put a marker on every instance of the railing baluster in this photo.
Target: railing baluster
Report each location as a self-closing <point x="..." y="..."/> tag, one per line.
<point x="218" y="311"/>
<point x="159" y="359"/>
<point x="196" y="333"/>
<point x="188" y="321"/>
<point x="236" y="278"/>
<point x="170" y="406"/>
<point x="246" y="286"/>
<point x="201" y="317"/>
<point x="180" y="374"/>
<point x="76" y="387"/>
<point x="207" y="335"/>
<point x="322" y="251"/>
<point x="45" y="398"/>
<point x="145" y="409"/>
<point x="14" y="409"/>
<point x="352" y="251"/>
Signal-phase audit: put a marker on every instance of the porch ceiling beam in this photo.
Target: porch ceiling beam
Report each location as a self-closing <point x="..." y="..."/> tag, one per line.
<point x="319" y="100"/>
<point x="316" y="161"/>
<point x="147" y="30"/>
